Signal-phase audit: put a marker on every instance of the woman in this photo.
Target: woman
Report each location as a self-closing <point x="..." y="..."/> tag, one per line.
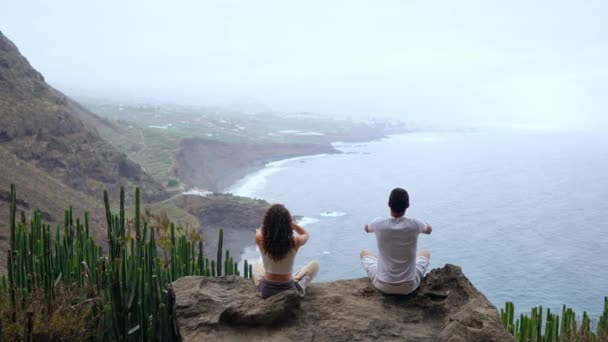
<point x="278" y="246"/>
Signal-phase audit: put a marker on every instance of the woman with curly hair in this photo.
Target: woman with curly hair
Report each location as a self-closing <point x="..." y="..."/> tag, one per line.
<point x="278" y="246"/>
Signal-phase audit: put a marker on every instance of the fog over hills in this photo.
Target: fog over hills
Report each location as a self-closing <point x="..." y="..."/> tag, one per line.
<point x="539" y="65"/>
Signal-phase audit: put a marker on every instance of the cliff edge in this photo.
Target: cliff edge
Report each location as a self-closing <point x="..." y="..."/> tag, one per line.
<point x="446" y="307"/>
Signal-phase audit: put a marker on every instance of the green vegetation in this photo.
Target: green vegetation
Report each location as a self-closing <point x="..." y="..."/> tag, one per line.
<point x="63" y="285"/>
<point x="556" y="329"/>
<point x="172" y="183"/>
<point x="151" y="135"/>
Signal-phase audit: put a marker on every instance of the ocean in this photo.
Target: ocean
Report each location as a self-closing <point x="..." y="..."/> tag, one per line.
<point x="524" y="213"/>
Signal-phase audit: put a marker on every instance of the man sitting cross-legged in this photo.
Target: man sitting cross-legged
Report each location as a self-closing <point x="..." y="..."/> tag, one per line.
<point x="398" y="269"/>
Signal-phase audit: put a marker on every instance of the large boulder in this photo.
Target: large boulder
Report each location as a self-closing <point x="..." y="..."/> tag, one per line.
<point x="446" y="307"/>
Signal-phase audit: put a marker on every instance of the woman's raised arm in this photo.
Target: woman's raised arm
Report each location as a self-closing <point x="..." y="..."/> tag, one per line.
<point x="302" y="234"/>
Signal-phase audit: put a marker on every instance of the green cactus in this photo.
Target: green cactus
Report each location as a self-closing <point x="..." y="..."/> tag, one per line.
<point x="556" y="327"/>
<point x="13" y="210"/>
<point x="220" y="243"/>
<point x="29" y="327"/>
<point x="200" y="262"/>
<point x="602" y="325"/>
<point x="132" y="281"/>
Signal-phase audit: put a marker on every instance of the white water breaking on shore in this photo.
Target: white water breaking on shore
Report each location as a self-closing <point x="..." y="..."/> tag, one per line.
<point x="332" y="214"/>
<point x="197" y="192"/>
<point x="251" y="184"/>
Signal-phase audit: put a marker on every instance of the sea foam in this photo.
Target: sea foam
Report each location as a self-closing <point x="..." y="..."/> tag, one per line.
<point x="253" y="183"/>
<point x="332" y="214"/>
<point x="305" y="221"/>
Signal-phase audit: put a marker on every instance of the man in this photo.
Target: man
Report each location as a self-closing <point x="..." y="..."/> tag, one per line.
<point x="397" y="269"/>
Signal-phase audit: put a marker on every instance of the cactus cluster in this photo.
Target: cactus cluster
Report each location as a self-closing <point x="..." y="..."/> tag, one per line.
<point x="130" y="286"/>
<point x="552" y="327"/>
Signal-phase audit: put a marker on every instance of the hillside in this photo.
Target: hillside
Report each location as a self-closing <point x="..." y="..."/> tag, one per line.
<point x="50" y="148"/>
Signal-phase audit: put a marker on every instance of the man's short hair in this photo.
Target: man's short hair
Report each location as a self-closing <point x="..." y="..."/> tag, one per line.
<point x="399" y="200"/>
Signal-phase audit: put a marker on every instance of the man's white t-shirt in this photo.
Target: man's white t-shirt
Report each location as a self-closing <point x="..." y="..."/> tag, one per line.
<point x="397" y="244"/>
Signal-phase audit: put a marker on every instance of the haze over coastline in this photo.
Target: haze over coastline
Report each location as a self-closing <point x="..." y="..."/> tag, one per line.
<point x="144" y="143"/>
<point x="539" y="64"/>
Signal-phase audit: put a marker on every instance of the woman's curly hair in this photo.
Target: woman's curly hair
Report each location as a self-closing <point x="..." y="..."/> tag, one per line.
<point x="277" y="232"/>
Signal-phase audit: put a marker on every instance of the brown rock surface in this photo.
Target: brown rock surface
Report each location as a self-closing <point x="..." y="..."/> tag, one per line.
<point x="446" y="307"/>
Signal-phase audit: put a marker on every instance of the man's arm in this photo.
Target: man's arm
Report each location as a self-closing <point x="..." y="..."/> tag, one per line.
<point x="423" y="227"/>
<point x="302" y="237"/>
<point x="371" y="227"/>
<point x="428" y="229"/>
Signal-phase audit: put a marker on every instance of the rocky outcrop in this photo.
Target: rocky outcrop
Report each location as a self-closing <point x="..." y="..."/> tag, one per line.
<point x="446" y="307"/>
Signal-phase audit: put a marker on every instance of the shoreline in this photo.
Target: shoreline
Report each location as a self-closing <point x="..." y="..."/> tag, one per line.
<point x="248" y="245"/>
<point x="236" y="176"/>
<point x="259" y="171"/>
<point x="217" y="165"/>
<point x="227" y="164"/>
<point x="326" y="148"/>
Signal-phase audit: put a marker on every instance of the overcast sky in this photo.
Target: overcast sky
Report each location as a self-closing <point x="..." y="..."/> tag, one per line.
<point x="536" y="63"/>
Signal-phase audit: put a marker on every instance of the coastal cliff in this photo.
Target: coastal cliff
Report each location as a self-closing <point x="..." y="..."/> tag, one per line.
<point x="446" y="307"/>
<point x="214" y="165"/>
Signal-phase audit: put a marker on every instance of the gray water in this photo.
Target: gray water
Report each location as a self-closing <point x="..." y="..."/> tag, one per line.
<point x="523" y="213"/>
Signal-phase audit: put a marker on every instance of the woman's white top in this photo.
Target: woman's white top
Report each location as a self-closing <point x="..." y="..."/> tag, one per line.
<point x="283" y="266"/>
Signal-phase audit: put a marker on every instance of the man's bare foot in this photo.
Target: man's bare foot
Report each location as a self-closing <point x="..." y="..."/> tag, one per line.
<point x="366" y="252"/>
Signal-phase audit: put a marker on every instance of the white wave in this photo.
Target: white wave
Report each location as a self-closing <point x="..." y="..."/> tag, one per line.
<point x="341" y="144"/>
<point x="332" y="214"/>
<point x="305" y="221"/>
<point x="251" y="254"/>
<point x="310" y="133"/>
<point x="296" y="132"/>
<point x="253" y="183"/>
<point x="198" y="192"/>
<point x="161" y="127"/>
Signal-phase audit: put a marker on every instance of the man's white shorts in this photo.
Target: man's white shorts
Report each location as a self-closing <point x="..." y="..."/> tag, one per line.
<point x="370" y="263"/>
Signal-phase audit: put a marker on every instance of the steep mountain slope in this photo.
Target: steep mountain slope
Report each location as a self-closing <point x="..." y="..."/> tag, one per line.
<point x="49" y="146"/>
